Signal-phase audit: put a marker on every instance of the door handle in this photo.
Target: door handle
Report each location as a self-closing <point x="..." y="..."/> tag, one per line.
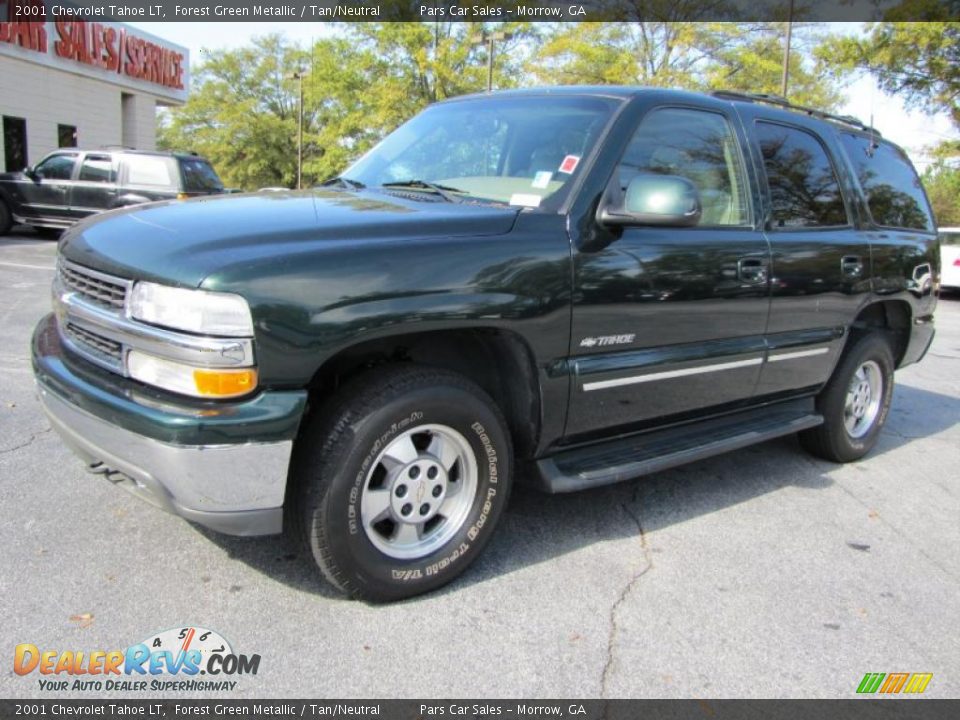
<point x="851" y="266"/>
<point x="752" y="270"/>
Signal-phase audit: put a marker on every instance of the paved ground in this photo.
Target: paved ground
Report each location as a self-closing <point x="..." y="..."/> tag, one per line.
<point x="763" y="573"/>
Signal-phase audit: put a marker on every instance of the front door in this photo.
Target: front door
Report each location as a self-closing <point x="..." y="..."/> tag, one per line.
<point x="46" y="195"/>
<point x="670" y="321"/>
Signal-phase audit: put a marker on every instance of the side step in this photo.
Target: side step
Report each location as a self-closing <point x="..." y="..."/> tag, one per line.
<point x="629" y="457"/>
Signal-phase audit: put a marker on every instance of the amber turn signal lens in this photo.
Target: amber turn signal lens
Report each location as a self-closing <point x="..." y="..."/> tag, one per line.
<point x="182" y="196"/>
<point x="225" y="383"/>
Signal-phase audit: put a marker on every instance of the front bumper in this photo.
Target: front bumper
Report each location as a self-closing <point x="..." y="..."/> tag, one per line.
<point x="223" y="466"/>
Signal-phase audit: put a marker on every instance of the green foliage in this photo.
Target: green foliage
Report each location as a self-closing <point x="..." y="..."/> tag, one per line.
<point x="693" y="55"/>
<point x="942" y="183"/>
<point x="242" y="114"/>
<point x="369" y="77"/>
<point x="917" y="61"/>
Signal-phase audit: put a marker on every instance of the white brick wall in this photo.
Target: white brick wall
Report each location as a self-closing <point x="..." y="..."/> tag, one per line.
<point x="47" y="97"/>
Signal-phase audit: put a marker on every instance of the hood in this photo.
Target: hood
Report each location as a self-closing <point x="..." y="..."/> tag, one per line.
<point x="181" y="243"/>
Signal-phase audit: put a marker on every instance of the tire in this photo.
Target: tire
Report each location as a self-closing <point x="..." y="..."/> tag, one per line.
<point x="6" y="218"/>
<point x="366" y="478"/>
<point x="48" y="233"/>
<point x="853" y="419"/>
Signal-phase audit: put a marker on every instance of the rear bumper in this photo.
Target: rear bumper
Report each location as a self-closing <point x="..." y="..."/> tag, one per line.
<point x="223" y="468"/>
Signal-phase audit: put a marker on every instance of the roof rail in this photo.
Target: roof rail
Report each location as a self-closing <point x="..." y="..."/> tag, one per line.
<point x="782" y="102"/>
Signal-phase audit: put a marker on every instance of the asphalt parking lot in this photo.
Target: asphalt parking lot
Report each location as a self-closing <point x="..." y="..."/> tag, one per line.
<point x="763" y="573"/>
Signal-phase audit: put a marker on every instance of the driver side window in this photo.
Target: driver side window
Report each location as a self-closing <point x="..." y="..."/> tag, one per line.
<point x="697" y="145"/>
<point x="57" y="167"/>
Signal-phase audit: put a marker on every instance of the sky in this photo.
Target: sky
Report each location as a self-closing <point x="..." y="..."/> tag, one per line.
<point x="912" y="130"/>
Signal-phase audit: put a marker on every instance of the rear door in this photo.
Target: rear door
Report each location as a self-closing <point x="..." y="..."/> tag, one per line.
<point x="95" y="188"/>
<point x="670" y="321"/>
<point x="820" y="271"/>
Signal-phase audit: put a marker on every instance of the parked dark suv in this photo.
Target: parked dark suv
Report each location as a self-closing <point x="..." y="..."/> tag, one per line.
<point x="569" y="287"/>
<point x="68" y="185"/>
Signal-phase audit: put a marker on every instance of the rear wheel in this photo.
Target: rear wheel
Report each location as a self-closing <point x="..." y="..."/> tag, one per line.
<point x="6" y="218"/>
<point x="855" y="403"/>
<point x="401" y="481"/>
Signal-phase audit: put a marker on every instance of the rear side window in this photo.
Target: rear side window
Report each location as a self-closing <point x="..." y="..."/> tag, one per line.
<point x="950" y="238"/>
<point x="199" y="176"/>
<point x="804" y="189"/>
<point x="894" y="194"/>
<point x="147" y="170"/>
<point x="97" y="168"/>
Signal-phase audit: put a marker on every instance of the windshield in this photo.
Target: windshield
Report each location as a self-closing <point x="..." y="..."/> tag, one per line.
<point x="199" y="176"/>
<point x="521" y="151"/>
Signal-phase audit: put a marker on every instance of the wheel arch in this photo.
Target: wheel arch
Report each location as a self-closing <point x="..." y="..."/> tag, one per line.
<point x="893" y="317"/>
<point x="498" y="361"/>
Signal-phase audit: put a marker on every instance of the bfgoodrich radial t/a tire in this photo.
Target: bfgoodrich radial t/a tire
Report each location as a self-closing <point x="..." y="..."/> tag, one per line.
<point x="401" y="481"/>
<point x="855" y="403"/>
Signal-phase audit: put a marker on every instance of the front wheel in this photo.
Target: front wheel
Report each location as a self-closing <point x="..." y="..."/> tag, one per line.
<point x="402" y="480"/>
<point x="855" y="402"/>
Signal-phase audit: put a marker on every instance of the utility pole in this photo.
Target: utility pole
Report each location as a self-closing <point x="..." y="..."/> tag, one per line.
<point x="488" y="39"/>
<point x="298" y="76"/>
<point x="786" y="53"/>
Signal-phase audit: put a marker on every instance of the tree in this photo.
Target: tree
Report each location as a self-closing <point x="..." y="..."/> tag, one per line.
<point x="917" y="61"/>
<point x="242" y="114"/>
<point x="684" y="53"/>
<point x="942" y="182"/>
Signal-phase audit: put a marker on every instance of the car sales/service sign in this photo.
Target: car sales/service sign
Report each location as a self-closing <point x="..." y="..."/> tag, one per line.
<point x="67" y="37"/>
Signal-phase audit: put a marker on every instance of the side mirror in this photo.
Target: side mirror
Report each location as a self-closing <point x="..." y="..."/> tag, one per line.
<point x="661" y="200"/>
<point x="30" y="172"/>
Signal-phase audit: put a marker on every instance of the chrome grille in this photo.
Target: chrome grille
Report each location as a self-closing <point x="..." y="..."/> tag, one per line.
<point x="94" y="286"/>
<point x="106" y="348"/>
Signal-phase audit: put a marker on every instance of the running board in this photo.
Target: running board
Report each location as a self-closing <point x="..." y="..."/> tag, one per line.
<point x="626" y="458"/>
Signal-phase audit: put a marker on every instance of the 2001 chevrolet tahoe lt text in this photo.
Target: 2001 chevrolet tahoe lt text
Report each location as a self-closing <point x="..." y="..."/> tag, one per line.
<point x="589" y="284"/>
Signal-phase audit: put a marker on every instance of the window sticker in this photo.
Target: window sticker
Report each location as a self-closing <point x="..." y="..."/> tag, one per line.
<point x="569" y="164"/>
<point x="525" y="200"/>
<point x="542" y="179"/>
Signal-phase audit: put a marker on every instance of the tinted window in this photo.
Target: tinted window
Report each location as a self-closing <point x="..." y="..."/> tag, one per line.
<point x="198" y="176"/>
<point x="97" y="168"/>
<point x="893" y="190"/>
<point x="950" y="238"/>
<point x="804" y="190"/>
<point x="15" y="143"/>
<point x="698" y="146"/>
<point x="57" y="167"/>
<point x="148" y="170"/>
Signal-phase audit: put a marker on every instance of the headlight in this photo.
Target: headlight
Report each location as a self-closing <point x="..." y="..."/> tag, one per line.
<point x="188" y="380"/>
<point x="197" y="311"/>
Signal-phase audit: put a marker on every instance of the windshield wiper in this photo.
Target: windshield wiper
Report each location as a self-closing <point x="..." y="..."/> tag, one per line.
<point x="443" y="191"/>
<point x="344" y="182"/>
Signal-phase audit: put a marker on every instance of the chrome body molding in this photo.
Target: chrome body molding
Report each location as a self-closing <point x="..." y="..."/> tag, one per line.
<point x="796" y="354"/>
<point x="668" y="374"/>
<point x="237" y="489"/>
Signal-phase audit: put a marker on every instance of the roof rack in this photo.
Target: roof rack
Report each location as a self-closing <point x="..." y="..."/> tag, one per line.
<point x="782" y="102"/>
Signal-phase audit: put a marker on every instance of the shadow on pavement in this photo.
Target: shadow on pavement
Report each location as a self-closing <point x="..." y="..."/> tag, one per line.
<point x="537" y="528"/>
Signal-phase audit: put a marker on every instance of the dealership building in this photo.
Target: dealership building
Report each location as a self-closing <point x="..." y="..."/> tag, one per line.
<point x="76" y="83"/>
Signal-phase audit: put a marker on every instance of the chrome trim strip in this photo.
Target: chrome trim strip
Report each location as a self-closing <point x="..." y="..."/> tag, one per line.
<point x="668" y="374"/>
<point x="199" y="351"/>
<point x="798" y="354"/>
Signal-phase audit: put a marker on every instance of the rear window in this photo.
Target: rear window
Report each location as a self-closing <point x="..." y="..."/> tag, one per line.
<point x="950" y="237"/>
<point x="199" y="176"/>
<point x="894" y="193"/>
<point x="147" y="170"/>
